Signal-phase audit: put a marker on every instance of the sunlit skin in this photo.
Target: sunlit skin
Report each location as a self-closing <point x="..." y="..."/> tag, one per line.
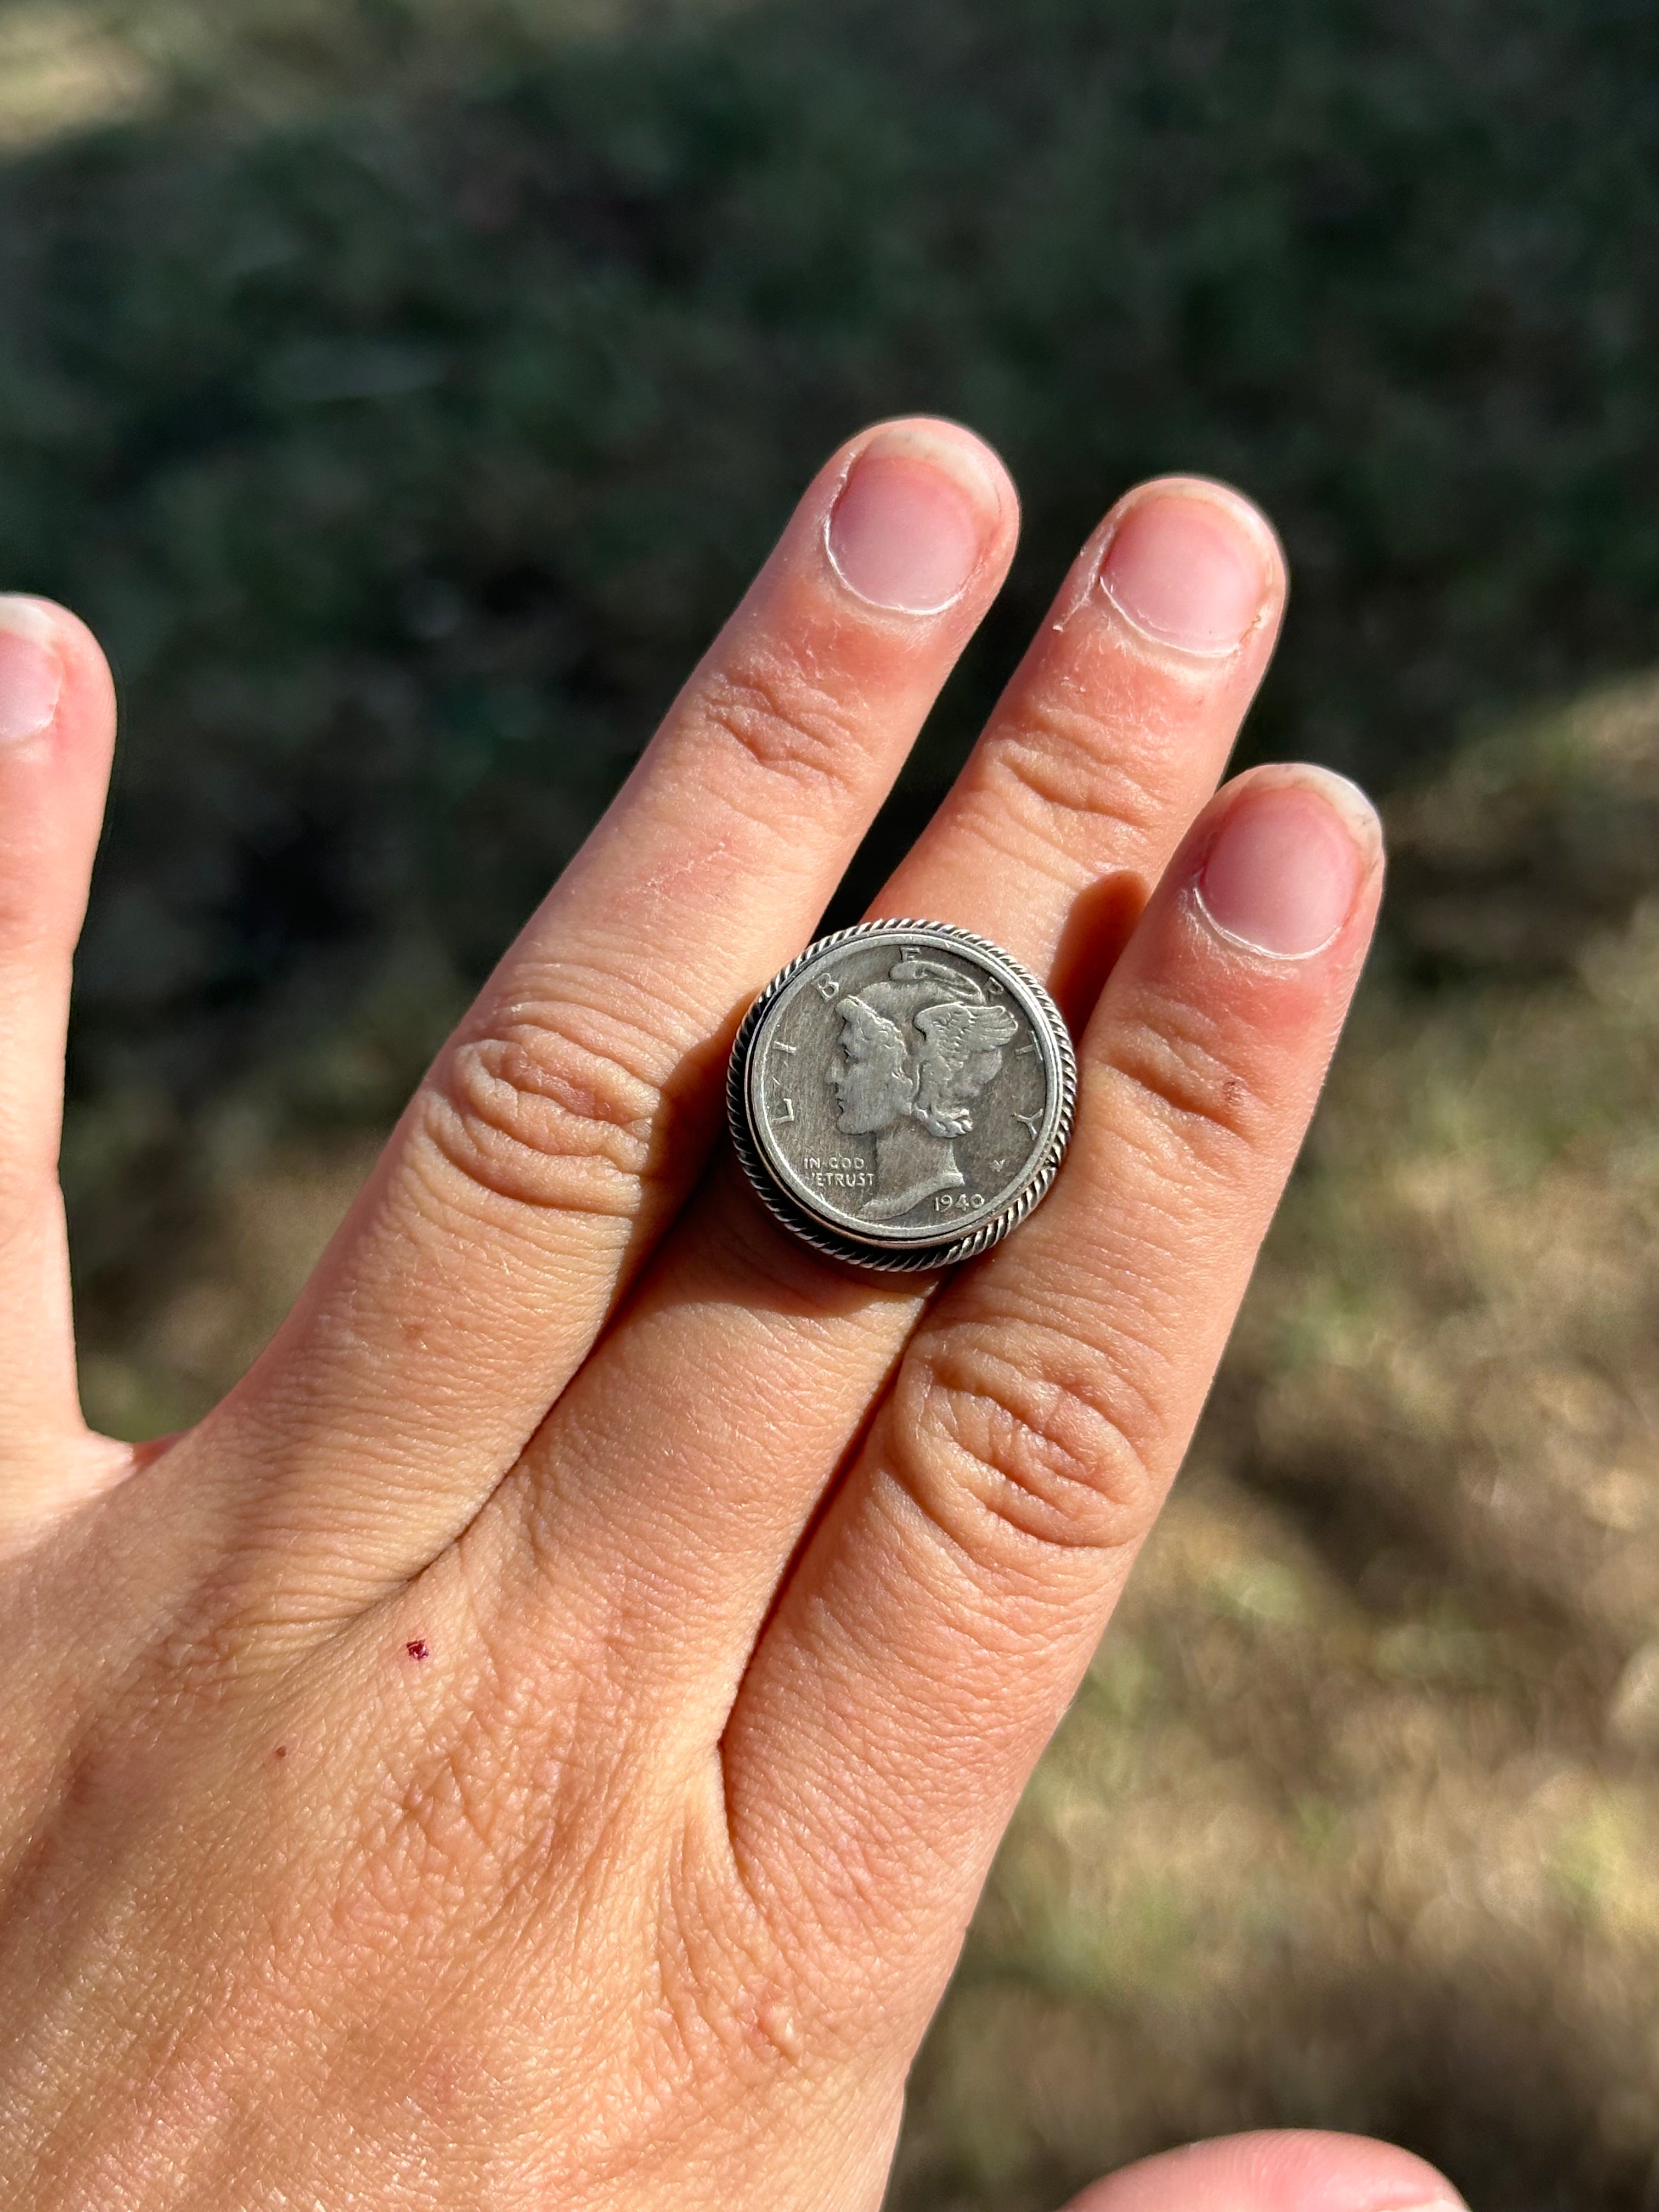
<point x="515" y="1752"/>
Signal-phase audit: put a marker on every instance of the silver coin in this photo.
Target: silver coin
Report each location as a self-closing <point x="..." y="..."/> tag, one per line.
<point x="901" y="1094"/>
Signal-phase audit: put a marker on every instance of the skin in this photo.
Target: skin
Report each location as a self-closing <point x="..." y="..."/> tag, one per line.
<point x="538" y="1742"/>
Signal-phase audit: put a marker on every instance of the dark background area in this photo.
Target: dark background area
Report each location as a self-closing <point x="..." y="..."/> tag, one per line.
<point x="405" y="391"/>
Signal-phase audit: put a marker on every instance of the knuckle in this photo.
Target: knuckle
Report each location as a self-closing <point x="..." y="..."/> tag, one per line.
<point x="1171" y="1062"/>
<point x="468" y="1791"/>
<point x="1023" y="1444"/>
<point x="545" y="1118"/>
<point x="434" y="1834"/>
<point x="448" y="1815"/>
<point x="216" y="1637"/>
<point x="776" y="715"/>
<point x="1057" y="756"/>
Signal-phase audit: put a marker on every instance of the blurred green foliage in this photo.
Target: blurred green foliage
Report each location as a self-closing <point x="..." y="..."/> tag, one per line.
<point x="406" y="390"/>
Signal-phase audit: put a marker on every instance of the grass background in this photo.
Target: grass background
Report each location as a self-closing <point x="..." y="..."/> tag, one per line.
<point x="405" y="389"/>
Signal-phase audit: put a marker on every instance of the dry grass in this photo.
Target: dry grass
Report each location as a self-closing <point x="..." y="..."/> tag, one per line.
<point x="1353" y="1823"/>
<point x="62" y="70"/>
<point x="69" y="66"/>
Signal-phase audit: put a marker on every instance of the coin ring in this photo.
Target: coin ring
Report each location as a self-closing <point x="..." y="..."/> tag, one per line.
<point x="901" y="1247"/>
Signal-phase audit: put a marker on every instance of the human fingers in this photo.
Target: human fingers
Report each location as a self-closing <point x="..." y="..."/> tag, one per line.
<point x="694" y="1446"/>
<point x="1111" y="734"/>
<point x="57" y="731"/>
<point x="947" y="1604"/>
<point x="1279" y="2170"/>
<point x="563" y="1124"/>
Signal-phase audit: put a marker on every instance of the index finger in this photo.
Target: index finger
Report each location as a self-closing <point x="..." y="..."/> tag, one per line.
<point x="562" y="1126"/>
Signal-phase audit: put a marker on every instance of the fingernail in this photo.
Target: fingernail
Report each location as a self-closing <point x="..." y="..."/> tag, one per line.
<point x="910" y="525"/>
<point x="31" y="673"/>
<point x="1189" y="570"/>
<point x="1282" y="874"/>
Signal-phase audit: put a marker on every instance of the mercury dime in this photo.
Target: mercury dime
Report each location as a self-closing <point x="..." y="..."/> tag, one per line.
<point x="901" y="1094"/>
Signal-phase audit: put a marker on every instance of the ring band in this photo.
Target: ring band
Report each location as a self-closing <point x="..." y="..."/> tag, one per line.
<point x="901" y="1094"/>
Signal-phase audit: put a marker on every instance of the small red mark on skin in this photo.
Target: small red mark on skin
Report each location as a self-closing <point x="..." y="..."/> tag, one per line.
<point x="417" y="1650"/>
<point x="146" y="1455"/>
<point x="281" y="1752"/>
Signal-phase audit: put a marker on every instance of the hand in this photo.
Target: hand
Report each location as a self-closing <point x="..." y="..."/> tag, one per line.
<point x="538" y="1742"/>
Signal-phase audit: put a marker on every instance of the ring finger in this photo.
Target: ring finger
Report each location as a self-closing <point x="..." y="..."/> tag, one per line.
<point x="1111" y="736"/>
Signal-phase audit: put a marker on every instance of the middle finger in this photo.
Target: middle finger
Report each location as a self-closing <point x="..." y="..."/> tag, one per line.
<point x="680" y="1469"/>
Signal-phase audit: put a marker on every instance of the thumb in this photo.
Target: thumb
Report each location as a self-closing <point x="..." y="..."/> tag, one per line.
<point x="57" y="729"/>
<point x="1287" y="2170"/>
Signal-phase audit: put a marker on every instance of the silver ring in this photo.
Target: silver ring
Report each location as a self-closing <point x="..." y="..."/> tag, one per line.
<point x="901" y="1094"/>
